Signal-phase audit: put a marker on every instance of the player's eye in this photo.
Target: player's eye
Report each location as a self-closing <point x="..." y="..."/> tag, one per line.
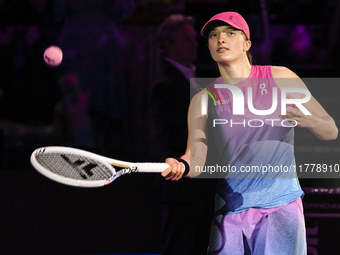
<point x="212" y="34"/>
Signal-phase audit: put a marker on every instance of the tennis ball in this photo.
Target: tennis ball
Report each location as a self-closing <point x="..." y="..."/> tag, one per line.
<point x="53" y="56"/>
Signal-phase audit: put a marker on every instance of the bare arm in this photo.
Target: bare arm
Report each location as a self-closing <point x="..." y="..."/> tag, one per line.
<point x="320" y="123"/>
<point x="196" y="151"/>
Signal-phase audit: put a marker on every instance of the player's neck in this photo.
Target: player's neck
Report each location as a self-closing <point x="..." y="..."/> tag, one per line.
<point x="236" y="71"/>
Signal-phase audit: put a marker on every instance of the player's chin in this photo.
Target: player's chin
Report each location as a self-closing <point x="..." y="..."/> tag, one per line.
<point x="223" y="60"/>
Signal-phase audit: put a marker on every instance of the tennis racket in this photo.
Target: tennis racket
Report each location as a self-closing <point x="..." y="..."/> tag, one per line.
<point x="81" y="168"/>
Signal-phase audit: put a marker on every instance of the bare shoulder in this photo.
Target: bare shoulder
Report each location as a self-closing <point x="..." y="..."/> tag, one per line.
<point x="196" y="99"/>
<point x="195" y="108"/>
<point x="283" y="72"/>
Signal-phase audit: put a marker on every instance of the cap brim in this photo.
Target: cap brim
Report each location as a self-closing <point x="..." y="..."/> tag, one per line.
<point x="214" y="23"/>
<point x="209" y="26"/>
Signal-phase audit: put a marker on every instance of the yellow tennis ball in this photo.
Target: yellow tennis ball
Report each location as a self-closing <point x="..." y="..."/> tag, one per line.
<point x="53" y="56"/>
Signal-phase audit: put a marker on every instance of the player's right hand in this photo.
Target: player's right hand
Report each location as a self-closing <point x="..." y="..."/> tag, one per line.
<point x="175" y="171"/>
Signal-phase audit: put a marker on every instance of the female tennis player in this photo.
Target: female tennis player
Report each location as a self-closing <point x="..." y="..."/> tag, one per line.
<point x="255" y="212"/>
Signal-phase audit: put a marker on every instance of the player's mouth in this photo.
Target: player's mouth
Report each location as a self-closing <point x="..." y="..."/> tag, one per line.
<point x="222" y="49"/>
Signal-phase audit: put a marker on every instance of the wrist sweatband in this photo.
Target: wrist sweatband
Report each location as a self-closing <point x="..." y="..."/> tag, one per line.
<point x="186" y="165"/>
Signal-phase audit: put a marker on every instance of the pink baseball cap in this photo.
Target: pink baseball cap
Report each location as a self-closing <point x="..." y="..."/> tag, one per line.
<point x="233" y="19"/>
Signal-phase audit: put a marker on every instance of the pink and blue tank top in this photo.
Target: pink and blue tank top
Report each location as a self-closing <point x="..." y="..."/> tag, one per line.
<point x="257" y="149"/>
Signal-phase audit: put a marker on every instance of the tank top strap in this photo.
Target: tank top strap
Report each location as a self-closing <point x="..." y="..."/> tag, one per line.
<point x="258" y="71"/>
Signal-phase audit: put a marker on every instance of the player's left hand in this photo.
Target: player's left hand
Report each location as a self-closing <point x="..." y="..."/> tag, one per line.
<point x="296" y="117"/>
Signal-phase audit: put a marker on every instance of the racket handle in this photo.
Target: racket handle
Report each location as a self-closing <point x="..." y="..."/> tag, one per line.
<point x="152" y="167"/>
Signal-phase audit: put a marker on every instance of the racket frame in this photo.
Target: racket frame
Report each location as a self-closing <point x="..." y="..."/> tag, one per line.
<point x="128" y="167"/>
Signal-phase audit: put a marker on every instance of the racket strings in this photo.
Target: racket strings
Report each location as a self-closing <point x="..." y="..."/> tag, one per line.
<point x="74" y="166"/>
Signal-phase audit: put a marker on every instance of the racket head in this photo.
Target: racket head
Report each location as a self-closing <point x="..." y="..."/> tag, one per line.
<point x="73" y="167"/>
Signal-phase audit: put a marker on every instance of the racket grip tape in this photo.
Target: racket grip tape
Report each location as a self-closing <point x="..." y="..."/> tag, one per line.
<point x="186" y="165"/>
<point x="152" y="167"/>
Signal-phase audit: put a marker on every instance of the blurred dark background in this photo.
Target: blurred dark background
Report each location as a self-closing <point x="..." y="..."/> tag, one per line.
<point x="110" y="64"/>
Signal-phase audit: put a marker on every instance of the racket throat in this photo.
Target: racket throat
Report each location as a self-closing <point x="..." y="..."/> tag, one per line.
<point x="129" y="170"/>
